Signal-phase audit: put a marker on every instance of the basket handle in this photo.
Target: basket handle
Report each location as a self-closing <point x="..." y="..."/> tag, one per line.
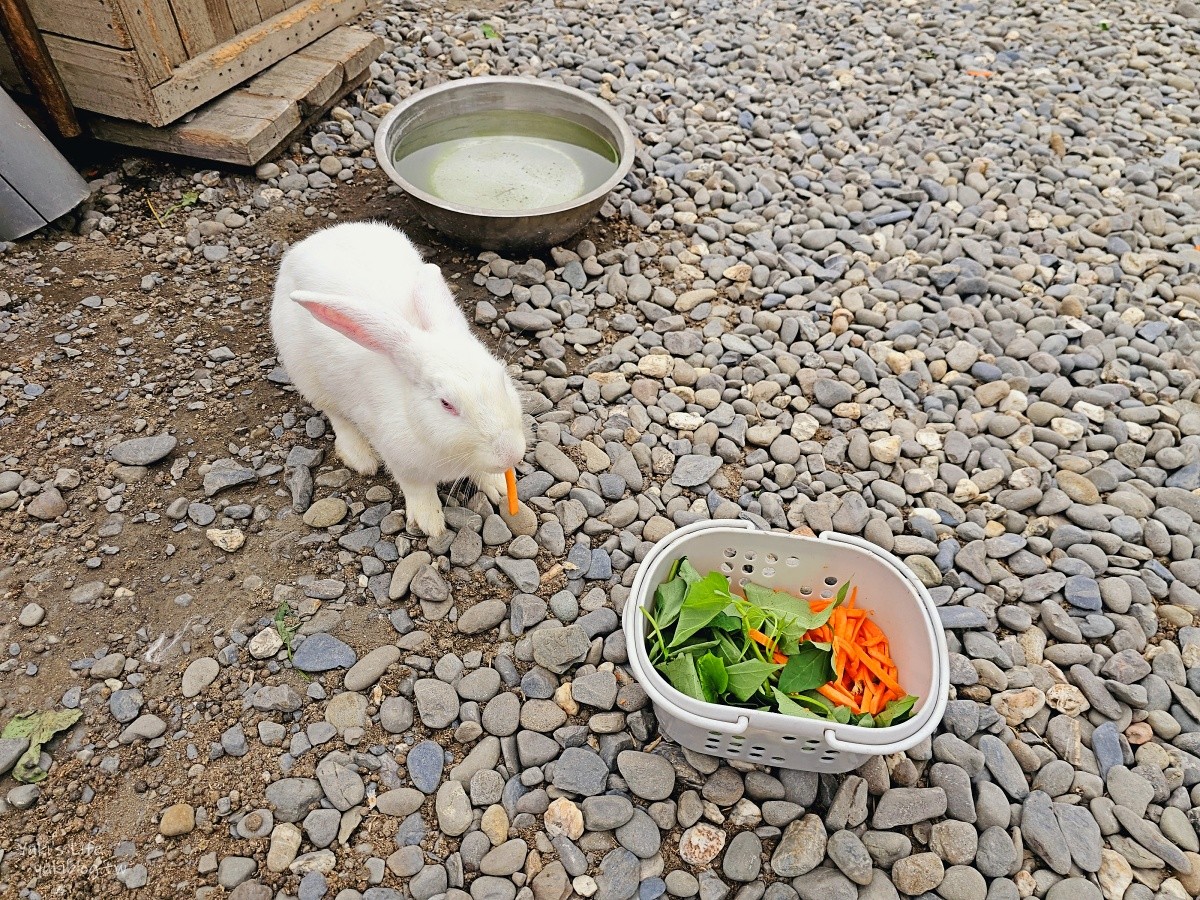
<point x="836" y="743"/>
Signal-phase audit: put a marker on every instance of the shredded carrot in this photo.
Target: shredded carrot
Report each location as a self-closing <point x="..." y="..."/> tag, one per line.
<point x="760" y="638"/>
<point x="865" y="675"/>
<point x="875" y="667"/>
<point x="837" y="695"/>
<point x="510" y="482"/>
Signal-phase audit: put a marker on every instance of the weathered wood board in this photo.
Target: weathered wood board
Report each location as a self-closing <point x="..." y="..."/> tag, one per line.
<point x="247" y="125"/>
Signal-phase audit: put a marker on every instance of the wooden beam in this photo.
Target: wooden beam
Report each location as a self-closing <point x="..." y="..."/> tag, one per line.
<point x="32" y="55"/>
<point x="245" y="14"/>
<point x="238" y="129"/>
<point x="102" y="79"/>
<point x="98" y="21"/>
<point x="195" y="28"/>
<point x="355" y="50"/>
<point x="155" y="37"/>
<point x="270" y="8"/>
<point x="222" y="21"/>
<point x="249" y="124"/>
<point x="229" y="64"/>
<point x="310" y="82"/>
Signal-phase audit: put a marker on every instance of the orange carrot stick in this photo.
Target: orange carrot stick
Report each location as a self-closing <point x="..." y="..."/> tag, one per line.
<point x="766" y="642"/>
<point x="510" y="481"/>
<point x="875" y="668"/>
<point x="837" y="695"/>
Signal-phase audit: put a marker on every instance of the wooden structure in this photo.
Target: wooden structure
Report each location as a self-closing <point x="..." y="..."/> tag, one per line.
<point x="247" y="124"/>
<point x="20" y="32"/>
<point x="154" y="61"/>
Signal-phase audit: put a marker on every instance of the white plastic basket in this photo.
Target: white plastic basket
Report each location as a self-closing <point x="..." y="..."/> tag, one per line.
<point x="809" y="567"/>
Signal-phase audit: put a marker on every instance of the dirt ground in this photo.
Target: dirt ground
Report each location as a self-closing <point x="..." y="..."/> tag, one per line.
<point x="138" y="364"/>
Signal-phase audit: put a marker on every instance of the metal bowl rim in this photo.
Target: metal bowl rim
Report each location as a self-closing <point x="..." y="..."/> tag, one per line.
<point x="624" y="162"/>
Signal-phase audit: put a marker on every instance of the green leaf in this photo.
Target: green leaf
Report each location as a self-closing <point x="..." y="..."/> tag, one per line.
<point x="730" y="651"/>
<point x="745" y="678"/>
<point x="694" y="649"/>
<point x="705" y="598"/>
<point x="815" y="702"/>
<point x="808" y="669"/>
<point x="725" y="622"/>
<point x="681" y="672"/>
<point x="688" y="572"/>
<point x="866" y="720"/>
<point x="841" y="594"/>
<point x="896" y="711"/>
<point x="790" y="707"/>
<point x="713" y="678"/>
<point x="798" y="615"/>
<point x="668" y="600"/>
<point x="489" y="33"/>
<point x="841" y="714"/>
<point x="38" y="728"/>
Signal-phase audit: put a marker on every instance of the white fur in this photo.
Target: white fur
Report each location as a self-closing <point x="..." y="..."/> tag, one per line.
<point x="400" y="347"/>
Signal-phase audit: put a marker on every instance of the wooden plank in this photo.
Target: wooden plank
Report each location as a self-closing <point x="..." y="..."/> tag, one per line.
<point x="195" y="28"/>
<point x="270" y="8"/>
<point x="309" y="81"/>
<point x="222" y="21"/>
<point x="10" y="75"/>
<point x="353" y="48"/>
<point x="239" y="129"/>
<point x="98" y="21"/>
<point x="244" y="13"/>
<point x="245" y="126"/>
<point x="204" y="77"/>
<point x="102" y="79"/>
<point x="28" y="45"/>
<point x="155" y="37"/>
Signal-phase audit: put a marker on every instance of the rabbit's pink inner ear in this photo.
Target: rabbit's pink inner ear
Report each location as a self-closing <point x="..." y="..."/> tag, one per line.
<point x="343" y="322"/>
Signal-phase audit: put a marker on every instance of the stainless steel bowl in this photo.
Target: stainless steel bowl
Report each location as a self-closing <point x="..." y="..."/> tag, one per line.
<point x="493" y="229"/>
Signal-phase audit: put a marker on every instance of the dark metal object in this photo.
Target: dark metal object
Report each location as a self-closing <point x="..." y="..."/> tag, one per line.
<point x="37" y="185"/>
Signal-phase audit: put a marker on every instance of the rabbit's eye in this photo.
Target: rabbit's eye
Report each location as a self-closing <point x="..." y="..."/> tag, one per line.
<point x="449" y="407"/>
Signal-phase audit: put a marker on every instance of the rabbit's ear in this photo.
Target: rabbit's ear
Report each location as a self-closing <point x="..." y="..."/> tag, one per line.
<point x="433" y="303"/>
<point x="345" y="317"/>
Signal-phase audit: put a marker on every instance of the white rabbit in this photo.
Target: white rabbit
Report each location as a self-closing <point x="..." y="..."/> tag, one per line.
<point x="372" y="337"/>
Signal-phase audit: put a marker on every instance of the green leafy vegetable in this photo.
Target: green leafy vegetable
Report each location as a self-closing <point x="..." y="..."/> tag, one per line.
<point x="746" y="678"/>
<point x="795" y="610"/>
<point x="668" y="599"/>
<point x="38" y="728"/>
<point x="681" y="672"/>
<point x="752" y="652"/>
<point x="790" y="707"/>
<point x="688" y="572"/>
<point x="808" y="669"/>
<point x="896" y="711"/>
<point x="723" y="622"/>
<point x="705" y="598"/>
<point x="713" y="678"/>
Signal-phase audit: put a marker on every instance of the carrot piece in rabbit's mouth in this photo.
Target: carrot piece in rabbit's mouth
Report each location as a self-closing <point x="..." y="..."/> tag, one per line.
<point x="510" y="481"/>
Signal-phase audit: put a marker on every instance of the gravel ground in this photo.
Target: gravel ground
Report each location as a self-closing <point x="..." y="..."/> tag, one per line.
<point x="923" y="274"/>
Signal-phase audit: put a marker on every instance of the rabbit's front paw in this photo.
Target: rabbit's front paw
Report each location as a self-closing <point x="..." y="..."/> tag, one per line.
<point x="492" y="485"/>
<point x="424" y="510"/>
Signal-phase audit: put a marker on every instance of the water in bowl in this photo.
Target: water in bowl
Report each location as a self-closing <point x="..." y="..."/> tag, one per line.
<point x="505" y="160"/>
